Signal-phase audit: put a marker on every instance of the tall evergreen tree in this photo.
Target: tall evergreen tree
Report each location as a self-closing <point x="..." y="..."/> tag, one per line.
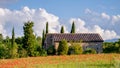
<point x="73" y="28"/>
<point x="29" y="38"/>
<point x="47" y="28"/>
<point x="43" y="38"/>
<point x="62" y="30"/>
<point x="13" y="48"/>
<point x="13" y="37"/>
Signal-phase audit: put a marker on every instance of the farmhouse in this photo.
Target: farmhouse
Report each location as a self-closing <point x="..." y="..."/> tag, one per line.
<point x="89" y="40"/>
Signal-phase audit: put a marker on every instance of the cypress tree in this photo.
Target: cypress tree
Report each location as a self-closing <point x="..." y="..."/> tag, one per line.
<point x="73" y="28"/>
<point x="13" y="48"/>
<point x="46" y="27"/>
<point x="62" y="30"/>
<point x="43" y="38"/>
<point x="13" y="37"/>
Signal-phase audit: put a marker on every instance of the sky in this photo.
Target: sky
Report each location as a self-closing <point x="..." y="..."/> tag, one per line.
<point x="90" y="16"/>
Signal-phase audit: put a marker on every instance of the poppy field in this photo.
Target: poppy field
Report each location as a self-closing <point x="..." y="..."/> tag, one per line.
<point x="67" y="61"/>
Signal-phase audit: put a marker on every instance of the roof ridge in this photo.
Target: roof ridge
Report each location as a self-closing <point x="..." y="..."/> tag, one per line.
<point x="72" y="33"/>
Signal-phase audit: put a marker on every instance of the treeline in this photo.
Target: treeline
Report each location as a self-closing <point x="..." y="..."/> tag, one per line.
<point x="111" y="47"/>
<point x="28" y="45"/>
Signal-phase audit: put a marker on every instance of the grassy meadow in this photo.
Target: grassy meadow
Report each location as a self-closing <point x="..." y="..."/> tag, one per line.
<point x="72" y="61"/>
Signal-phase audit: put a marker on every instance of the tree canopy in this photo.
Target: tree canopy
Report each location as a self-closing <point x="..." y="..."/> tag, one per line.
<point x="47" y="28"/>
<point x="63" y="47"/>
<point x="73" y="28"/>
<point x="29" y="38"/>
<point x="62" y="30"/>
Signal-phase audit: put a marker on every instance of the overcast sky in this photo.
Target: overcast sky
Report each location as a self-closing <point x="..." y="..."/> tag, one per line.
<point x="94" y="16"/>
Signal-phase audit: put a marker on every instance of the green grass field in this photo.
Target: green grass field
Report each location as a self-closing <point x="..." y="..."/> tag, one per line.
<point x="72" y="61"/>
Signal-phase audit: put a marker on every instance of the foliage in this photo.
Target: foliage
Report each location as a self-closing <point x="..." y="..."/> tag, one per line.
<point x="75" y="48"/>
<point x="111" y="47"/>
<point x="21" y="51"/>
<point x="5" y="48"/>
<point x="90" y="51"/>
<point x="51" y="50"/>
<point x="63" y="47"/>
<point x="29" y="38"/>
<point x="3" y="51"/>
<point x="41" y="52"/>
<point x="39" y="40"/>
<point x="62" y="30"/>
<point x="1" y="38"/>
<point x="19" y="40"/>
<point x="14" y="51"/>
<point x="6" y="40"/>
<point x="7" y="45"/>
<point x="47" y="28"/>
<point x="73" y="28"/>
<point x="13" y="38"/>
<point x="43" y="38"/>
<point x="14" y="47"/>
<point x="25" y="46"/>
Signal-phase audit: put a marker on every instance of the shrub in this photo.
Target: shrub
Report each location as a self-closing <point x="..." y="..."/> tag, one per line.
<point x="90" y="51"/>
<point x="3" y="51"/>
<point x="42" y="52"/>
<point x="63" y="47"/>
<point x="111" y="47"/>
<point x="51" y="50"/>
<point x="22" y="53"/>
<point x="14" y="51"/>
<point x="75" y="49"/>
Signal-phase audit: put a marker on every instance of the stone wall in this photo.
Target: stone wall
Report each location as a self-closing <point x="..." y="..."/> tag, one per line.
<point x="95" y="45"/>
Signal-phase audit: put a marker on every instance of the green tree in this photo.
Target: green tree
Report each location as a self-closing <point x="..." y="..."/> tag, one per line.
<point x="7" y="47"/>
<point x="13" y="37"/>
<point x="47" y="28"/>
<point x="14" y="47"/>
<point x="6" y="40"/>
<point x="19" y="40"/>
<point x="43" y="38"/>
<point x="21" y="51"/>
<point x="63" y="47"/>
<point x="75" y="48"/>
<point x="39" y="41"/>
<point x="1" y="38"/>
<point x="51" y="50"/>
<point x="73" y="28"/>
<point x="29" y="38"/>
<point x="62" y="30"/>
<point x="3" y="51"/>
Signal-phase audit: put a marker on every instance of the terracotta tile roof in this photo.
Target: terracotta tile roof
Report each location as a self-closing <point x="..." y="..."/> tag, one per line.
<point x="85" y="37"/>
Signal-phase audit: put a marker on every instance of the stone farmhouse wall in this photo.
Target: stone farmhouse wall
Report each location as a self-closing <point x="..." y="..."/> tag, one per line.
<point x="95" y="45"/>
